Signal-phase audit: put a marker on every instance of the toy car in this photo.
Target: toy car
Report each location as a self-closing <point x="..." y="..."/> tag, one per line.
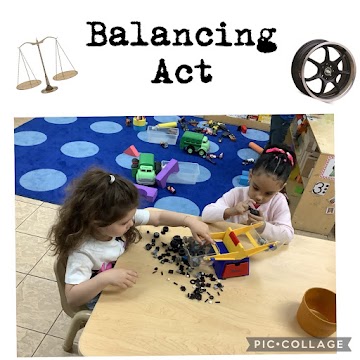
<point x="145" y="169"/>
<point x="254" y="211"/>
<point x="194" y="142"/>
<point x="248" y="161"/>
<point x="171" y="189"/>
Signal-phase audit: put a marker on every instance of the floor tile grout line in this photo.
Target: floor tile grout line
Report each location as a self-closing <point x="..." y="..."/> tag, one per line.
<point x="54" y="336"/>
<point x="26" y="328"/>
<point x="38" y="206"/>
<point x="21" y="272"/>
<point x="38" y="345"/>
<point x="45" y="204"/>
<point x="27" y="233"/>
<point x="39" y="332"/>
<point x="48" y="333"/>
<point x="42" y="278"/>
<point x="21" y="280"/>
<point x="46" y="252"/>
<point x="27" y="202"/>
<point x="45" y="335"/>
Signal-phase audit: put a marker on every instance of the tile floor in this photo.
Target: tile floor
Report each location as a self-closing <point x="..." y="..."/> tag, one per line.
<point x="41" y="323"/>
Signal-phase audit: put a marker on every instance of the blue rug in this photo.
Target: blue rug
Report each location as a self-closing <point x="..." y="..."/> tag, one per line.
<point x="50" y="152"/>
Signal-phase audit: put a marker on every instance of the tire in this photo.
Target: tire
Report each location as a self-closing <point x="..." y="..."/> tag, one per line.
<point x="190" y="150"/>
<point x="334" y="77"/>
<point x="195" y="262"/>
<point x="157" y="167"/>
<point x="201" y="152"/>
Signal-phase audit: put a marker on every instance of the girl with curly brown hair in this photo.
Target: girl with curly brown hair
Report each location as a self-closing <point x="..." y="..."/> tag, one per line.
<point x="96" y="224"/>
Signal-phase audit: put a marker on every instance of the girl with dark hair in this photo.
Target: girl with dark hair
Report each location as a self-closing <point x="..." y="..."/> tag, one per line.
<point x="262" y="200"/>
<point x="96" y="224"/>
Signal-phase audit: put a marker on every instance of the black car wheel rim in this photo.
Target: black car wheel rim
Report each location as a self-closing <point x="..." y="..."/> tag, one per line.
<point x="323" y="70"/>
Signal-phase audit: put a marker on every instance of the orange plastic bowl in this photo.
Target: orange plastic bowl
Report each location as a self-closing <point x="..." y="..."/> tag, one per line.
<point x="317" y="312"/>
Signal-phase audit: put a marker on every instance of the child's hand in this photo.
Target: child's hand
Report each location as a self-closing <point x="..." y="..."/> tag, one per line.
<point x="240" y="208"/>
<point x="253" y="219"/>
<point x="123" y="278"/>
<point x="200" y="231"/>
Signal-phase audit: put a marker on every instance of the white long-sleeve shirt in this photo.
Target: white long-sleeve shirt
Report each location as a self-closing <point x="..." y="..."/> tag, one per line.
<point x="276" y="213"/>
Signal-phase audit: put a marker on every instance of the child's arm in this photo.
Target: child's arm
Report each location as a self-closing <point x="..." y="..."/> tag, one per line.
<point x="199" y="229"/>
<point x="278" y="227"/>
<point x="281" y="231"/>
<point x="82" y="293"/>
<point x="232" y="203"/>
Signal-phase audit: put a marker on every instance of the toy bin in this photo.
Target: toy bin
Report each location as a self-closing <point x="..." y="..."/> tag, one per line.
<point x="231" y="268"/>
<point x="195" y="252"/>
<point x="187" y="174"/>
<point x="157" y="135"/>
<point x="317" y="312"/>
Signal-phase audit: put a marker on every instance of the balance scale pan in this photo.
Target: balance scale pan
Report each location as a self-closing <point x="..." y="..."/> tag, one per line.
<point x="65" y="75"/>
<point x="28" y="84"/>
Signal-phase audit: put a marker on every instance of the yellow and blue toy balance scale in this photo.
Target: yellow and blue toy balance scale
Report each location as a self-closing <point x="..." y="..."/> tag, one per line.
<point x="232" y="259"/>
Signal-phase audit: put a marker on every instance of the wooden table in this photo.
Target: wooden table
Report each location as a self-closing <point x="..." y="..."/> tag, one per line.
<point x="156" y="318"/>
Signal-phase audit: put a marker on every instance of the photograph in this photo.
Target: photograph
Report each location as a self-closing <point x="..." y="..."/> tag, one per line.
<point x="208" y="194"/>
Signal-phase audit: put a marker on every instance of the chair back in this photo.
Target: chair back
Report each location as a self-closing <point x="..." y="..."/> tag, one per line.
<point x="59" y="269"/>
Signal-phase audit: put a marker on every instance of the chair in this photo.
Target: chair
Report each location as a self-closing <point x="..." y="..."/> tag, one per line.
<point x="79" y="315"/>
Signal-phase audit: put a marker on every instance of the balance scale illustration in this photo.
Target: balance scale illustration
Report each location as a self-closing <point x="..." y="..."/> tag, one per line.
<point x="32" y="81"/>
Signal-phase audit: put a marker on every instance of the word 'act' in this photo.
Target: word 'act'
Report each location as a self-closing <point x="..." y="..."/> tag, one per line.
<point x="162" y="75"/>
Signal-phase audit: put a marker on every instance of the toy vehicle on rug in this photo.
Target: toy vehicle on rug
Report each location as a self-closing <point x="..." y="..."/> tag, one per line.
<point x="145" y="169"/>
<point x="195" y="142"/>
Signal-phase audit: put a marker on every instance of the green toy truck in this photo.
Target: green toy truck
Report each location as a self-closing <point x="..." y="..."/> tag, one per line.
<point x="145" y="169"/>
<point x="194" y="142"/>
